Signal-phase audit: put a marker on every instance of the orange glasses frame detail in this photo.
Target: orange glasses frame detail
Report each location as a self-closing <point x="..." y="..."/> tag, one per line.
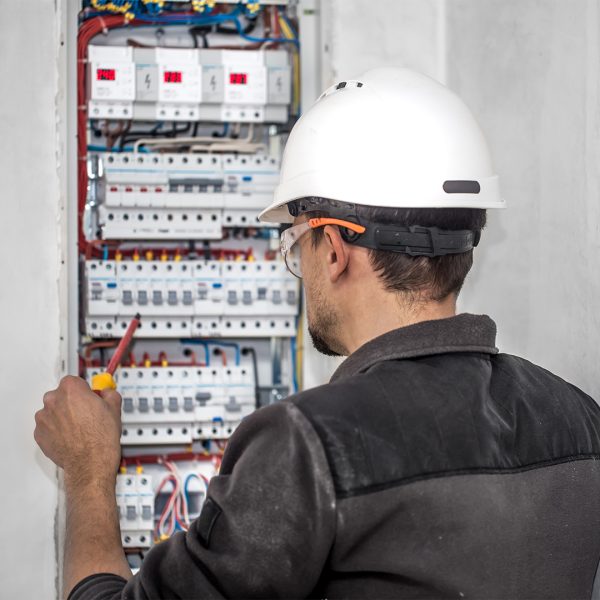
<point x="322" y="221"/>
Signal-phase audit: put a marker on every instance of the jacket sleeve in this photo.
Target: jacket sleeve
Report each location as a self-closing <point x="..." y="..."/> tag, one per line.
<point x="265" y="530"/>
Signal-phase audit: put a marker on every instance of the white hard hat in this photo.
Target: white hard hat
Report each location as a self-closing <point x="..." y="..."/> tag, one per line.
<point x="392" y="138"/>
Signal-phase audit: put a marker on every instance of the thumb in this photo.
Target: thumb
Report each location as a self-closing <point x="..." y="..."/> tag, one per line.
<point x="113" y="399"/>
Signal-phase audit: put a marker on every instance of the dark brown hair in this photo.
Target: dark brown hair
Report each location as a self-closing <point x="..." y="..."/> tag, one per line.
<point x="420" y="276"/>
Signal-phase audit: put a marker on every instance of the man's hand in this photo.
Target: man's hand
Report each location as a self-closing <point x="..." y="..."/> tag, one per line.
<point x="79" y="430"/>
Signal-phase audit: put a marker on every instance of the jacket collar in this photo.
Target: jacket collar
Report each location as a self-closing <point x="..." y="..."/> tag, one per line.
<point x="463" y="333"/>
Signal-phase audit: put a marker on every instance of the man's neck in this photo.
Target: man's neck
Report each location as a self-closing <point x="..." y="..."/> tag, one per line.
<point x="388" y="312"/>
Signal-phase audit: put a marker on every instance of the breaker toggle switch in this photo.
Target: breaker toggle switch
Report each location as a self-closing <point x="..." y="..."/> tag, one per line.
<point x="96" y="290"/>
<point x="291" y="297"/>
<point x="127" y="297"/>
<point x="157" y="298"/>
<point x="143" y="404"/>
<point x="203" y="397"/>
<point x="142" y="297"/>
<point x="187" y="298"/>
<point x="202" y="291"/>
<point x="131" y="513"/>
<point x="233" y="406"/>
<point x="172" y="298"/>
<point x="277" y="297"/>
<point x="188" y="404"/>
<point x="158" y="404"/>
<point x="246" y="297"/>
<point x="128" y="405"/>
<point x="232" y="297"/>
<point x="173" y="404"/>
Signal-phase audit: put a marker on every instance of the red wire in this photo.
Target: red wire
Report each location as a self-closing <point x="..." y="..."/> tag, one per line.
<point x="88" y="30"/>
<point x="173" y="457"/>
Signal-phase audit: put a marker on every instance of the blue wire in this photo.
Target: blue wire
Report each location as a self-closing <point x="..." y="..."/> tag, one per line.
<point x="199" y="343"/>
<point x="205" y="20"/>
<point x="105" y="149"/>
<point x="250" y="38"/>
<point x="287" y="21"/>
<point x="105" y="252"/>
<point x="177" y="19"/>
<point x="294" y="377"/>
<point x="238" y="354"/>
<point x="206" y="343"/>
<point x="185" y="486"/>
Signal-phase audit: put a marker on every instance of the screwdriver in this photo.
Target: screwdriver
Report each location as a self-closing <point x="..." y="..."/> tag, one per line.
<point x="105" y="380"/>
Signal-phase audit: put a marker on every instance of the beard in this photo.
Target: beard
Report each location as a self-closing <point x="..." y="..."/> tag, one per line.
<point x="323" y="322"/>
<point x="320" y="343"/>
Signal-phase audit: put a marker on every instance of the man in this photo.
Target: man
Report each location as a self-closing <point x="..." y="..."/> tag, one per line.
<point x="431" y="466"/>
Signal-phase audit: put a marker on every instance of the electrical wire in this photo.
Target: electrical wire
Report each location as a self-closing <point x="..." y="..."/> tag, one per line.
<point x="233" y="345"/>
<point x="199" y="343"/>
<point x="289" y="33"/>
<point x="294" y="364"/>
<point x="252" y="352"/>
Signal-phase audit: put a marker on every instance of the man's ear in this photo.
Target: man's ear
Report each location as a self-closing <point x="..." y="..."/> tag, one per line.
<point x="337" y="256"/>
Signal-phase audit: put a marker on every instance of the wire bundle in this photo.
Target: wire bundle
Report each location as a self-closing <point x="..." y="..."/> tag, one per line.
<point x="175" y="515"/>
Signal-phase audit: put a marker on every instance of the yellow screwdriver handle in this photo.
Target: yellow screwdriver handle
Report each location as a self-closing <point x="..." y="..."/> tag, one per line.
<point x="103" y="381"/>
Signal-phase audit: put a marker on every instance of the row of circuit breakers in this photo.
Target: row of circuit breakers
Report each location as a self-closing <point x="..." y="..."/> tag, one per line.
<point x="181" y="84"/>
<point x="250" y="298"/>
<point x="183" y="196"/>
<point x="179" y="405"/>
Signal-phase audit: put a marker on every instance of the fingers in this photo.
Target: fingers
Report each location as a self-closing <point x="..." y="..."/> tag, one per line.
<point x="113" y="399"/>
<point x="73" y="384"/>
<point x="49" y="400"/>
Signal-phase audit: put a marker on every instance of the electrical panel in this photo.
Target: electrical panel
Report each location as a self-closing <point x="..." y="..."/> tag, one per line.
<point x="183" y="110"/>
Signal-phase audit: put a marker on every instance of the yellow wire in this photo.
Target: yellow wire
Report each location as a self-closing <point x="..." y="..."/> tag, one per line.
<point x="300" y="352"/>
<point x="287" y="32"/>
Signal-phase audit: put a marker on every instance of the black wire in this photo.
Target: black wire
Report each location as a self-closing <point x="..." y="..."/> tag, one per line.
<point x="136" y="135"/>
<point x="249" y="28"/>
<point x="252" y="352"/>
<point x="133" y="136"/>
<point x="202" y="31"/>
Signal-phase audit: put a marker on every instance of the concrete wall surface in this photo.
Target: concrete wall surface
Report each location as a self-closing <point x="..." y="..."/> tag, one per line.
<point x="30" y="264"/>
<point x="529" y="69"/>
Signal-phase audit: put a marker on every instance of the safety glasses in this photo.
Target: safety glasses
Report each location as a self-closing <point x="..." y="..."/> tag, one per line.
<point x="290" y="250"/>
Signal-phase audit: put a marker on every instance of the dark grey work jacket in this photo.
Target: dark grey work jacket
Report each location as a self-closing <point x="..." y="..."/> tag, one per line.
<point x="430" y="467"/>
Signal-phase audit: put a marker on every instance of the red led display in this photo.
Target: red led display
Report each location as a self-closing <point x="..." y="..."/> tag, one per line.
<point x="238" y="78"/>
<point x="106" y="74"/>
<point x="173" y="77"/>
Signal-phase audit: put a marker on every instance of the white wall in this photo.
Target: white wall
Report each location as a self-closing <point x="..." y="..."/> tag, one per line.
<point x="530" y="70"/>
<point x="30" y="261"/>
